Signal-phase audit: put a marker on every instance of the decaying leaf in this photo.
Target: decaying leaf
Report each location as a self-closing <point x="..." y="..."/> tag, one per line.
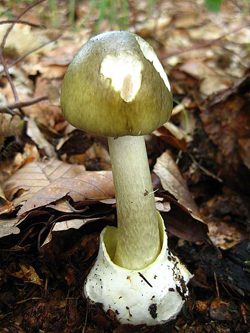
<point x="6" y="206"/>
<point x="172" y="181"/>
<point x="73" y="224"/>
<point x="9" y="227"/>
<point x="26" y="272"/>
<point x="90" y="185"/>
<point x="36" y="135"/>
<point x="172" y="135"/>
<point x="226" y="119"/>
<point x="66" y="225"/>
<point x="26" y="37"/>
<point x="34" y="176"/>
<point x="225" y="236"/>
<point x="10" y="126"/>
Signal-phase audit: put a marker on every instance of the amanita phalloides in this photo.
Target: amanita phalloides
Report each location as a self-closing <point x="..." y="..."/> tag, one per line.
<point x="116" y="87"/>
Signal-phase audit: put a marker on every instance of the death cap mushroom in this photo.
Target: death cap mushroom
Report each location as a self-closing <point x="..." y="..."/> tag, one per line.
<point x="116" y="86"/>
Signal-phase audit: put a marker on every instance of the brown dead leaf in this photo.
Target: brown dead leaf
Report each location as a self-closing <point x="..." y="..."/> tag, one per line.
<point x="26" y="273"/>
<point x="9" y="227"/>
<point x="38" y="138"/>
<point x="73" y="224"/>
<point x="41" y="183"/>
<point x="34" y="176"/>
<point x="211" y="82"/>
<point x="225" y="236"/>
<point x="183" y="225"/>
<point x="90" y="185"/>
<point x="172" y="135"/>
<point x="6" y="207"/>
<point x="226" y="119"/>
<point x="8" y="167"/>
<point x="10" y="126"/>
<point x="220" y="310"/>
<point x="188" y="19"/>
<point x="45" y="112"/>
<point x="162" y="205"/>
<point x="244" y="149"/>
<point x="62" y="206"/>
<point x="172" y="181"/>
<point x="26" y="37"/>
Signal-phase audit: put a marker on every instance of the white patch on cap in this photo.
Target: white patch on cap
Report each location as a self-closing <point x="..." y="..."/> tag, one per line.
<point x="124" y="70"/>
<point x="149" y="54"/>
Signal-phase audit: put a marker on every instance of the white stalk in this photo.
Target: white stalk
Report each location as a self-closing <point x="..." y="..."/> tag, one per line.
<point x="138" y="239"/>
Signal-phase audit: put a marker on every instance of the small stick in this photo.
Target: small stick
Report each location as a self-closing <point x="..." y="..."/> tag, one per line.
<point x="216" y="285"/>
<point x="4" y="42"/>
<point x="143" y="277"/>
<point x="17" y="105"/>
<point x="205" y="170"/>
<point x="16" y="20"/>
<point x="243" y="312"/>
<point x="33" y="25"/>
<point x="204" y="45"/>
<point x="13" y="88"/>
<point x="29" y="52"/>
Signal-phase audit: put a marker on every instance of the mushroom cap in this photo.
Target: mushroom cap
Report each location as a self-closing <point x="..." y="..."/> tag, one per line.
<point x="116" y="86"/>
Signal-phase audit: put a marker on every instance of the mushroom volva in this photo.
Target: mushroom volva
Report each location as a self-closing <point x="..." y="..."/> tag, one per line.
<point x="116" y="87"/>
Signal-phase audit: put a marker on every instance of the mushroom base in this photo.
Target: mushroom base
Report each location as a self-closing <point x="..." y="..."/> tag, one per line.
<point x="150" y="296"/>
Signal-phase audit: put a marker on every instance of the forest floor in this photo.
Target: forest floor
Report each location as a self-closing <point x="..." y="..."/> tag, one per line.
<point x="57" y="194"/>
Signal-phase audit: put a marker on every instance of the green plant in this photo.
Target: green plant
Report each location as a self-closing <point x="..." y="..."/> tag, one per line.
<point x="116" y="12"/>
<point x="213" y="5"/>
<point x="185" y="115"/>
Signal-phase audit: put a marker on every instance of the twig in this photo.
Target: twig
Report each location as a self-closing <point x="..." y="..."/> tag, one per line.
<point x="16" y="20"/>
<point x="201" y="46"/>
<point x="18" y="105"/>
<point x="216" y="285"/>
<point x="204" y="169"/>
<point x="33" y="25"/>
<point x="30" y="52"/>
<point x="7" y="110"/>
<point x="86" y="316"/>
<point x="13" y="88"/>
<point x="4" y="42"/>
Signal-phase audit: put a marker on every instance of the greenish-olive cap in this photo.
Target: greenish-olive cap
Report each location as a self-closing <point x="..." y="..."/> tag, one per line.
<point x="116" y="86"/>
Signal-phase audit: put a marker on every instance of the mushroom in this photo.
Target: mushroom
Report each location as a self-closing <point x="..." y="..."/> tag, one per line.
<point x="116" y="87"/>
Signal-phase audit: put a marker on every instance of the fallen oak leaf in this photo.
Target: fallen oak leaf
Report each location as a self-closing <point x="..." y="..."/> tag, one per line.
<point x="34" y="176"/>
<point x="66" y="225"/>
<point x="73" y="224"/>
<point x="183" y="219"/>
<point x="92" y="185"/>
<point x="6" y="207"/>
<point x="172" y="181"/>
<point x="9" y="227"/>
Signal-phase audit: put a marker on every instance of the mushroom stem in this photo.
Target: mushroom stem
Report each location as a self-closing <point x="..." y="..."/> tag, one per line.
<point x="138" y="238"/>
